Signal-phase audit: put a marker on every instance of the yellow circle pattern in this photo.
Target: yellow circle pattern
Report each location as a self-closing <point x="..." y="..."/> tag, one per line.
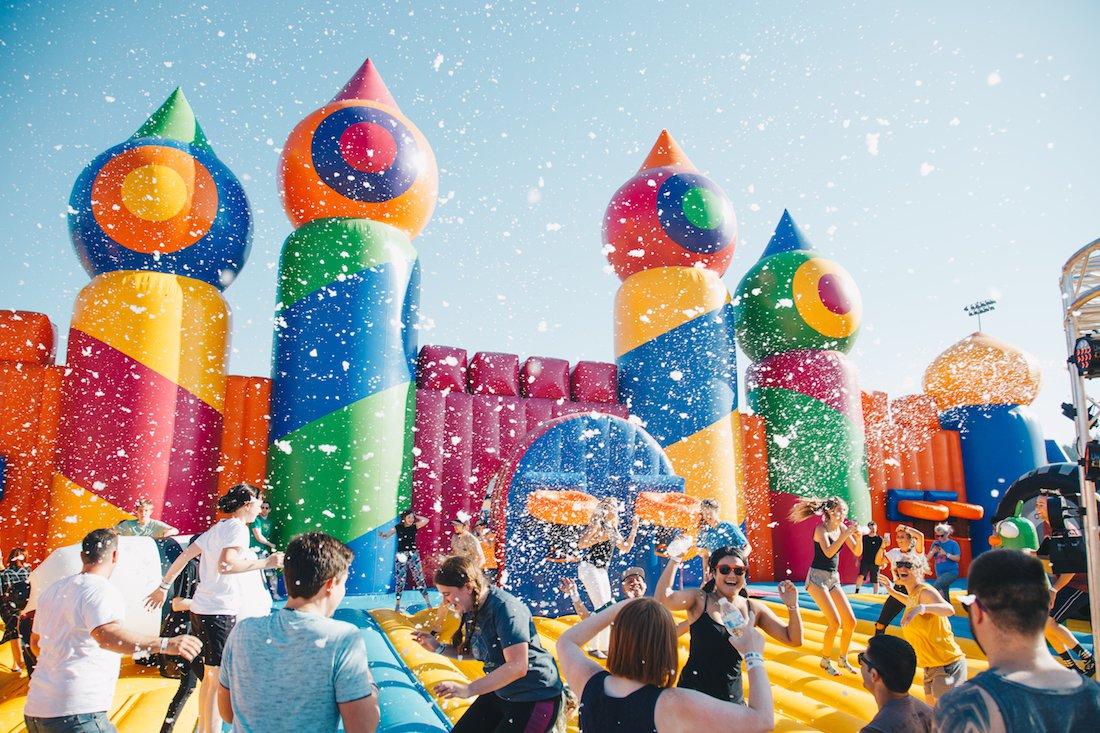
<point x="807" y="298"/>
<point x="154" y="192"/>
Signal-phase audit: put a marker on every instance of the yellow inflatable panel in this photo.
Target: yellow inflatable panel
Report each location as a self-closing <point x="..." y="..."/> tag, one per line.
<point x="805" y="698"/>
<point x="141" y="699"/>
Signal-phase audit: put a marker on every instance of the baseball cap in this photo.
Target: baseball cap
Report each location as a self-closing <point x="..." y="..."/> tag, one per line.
<point x="633" y="571"/>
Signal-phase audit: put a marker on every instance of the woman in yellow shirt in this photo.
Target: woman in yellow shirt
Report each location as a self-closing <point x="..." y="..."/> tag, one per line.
<point x="926" y="626"/>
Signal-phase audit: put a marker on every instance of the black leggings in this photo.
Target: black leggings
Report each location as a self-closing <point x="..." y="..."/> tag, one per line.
<point x="187" y="686"/>
<point x="493" y="714"/>
<point x="890" y="610"/>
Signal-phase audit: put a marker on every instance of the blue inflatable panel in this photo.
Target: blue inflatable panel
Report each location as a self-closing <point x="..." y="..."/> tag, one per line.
<point x="600" y="455"/>
<point x="896" y="496"/>
<point x="1055" y="454"/>
<point x="406" y="705"/>
<point x="941" y="495"/>
<point x="1000" y="443"/>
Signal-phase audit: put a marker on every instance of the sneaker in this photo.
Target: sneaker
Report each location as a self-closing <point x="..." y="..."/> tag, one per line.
<point x="1069" y="664"/>
<point x="1089" y="667"/>
<point x="843" y="662"/>
<point x="827" y="665"/>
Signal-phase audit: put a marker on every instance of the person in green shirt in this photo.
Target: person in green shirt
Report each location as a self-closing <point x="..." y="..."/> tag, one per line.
<point x="258" y="541"/>
<point x="145" y="525"/>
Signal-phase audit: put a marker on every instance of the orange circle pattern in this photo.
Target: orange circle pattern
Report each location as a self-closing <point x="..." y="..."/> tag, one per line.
<point x="143" y="235"/>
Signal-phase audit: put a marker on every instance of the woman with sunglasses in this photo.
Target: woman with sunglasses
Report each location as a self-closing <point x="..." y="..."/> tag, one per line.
<point x="713" y="664"/>
<point x="926" y="626"/>
<point x="909" y="540"/>
<point x="823" y="579"/>
<point x="944" y="553"/>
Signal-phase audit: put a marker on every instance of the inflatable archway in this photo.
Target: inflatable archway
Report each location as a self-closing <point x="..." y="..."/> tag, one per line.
<point x="546" y="493"/>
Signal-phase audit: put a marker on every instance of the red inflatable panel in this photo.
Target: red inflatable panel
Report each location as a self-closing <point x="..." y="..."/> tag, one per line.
<point x="495" y="374"/>
<point x="27" y="337"/>
<point x="441" y="367"/>
<point x="544" y="377"/>
<point x="595" y="381"/>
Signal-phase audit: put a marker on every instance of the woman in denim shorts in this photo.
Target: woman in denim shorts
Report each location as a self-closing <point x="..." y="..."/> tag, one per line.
<point x="823" y="580"/>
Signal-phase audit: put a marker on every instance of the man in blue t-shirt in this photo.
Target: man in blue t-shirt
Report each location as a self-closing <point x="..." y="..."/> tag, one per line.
<point x="714" y="533"/>
<point x="945" y="552"/>
<point x="297" y="668"/>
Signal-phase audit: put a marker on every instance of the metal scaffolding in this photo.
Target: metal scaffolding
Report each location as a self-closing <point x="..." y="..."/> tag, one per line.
<point x="1080" y="284"/>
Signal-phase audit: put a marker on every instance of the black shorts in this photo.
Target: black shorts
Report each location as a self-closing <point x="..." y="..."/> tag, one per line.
<point x="870" y="572"/>
<point x="212" y="631"/>
<point x="1067" y="603"/>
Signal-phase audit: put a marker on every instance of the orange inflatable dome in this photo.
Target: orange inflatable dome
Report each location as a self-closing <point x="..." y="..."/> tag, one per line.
<point x="982" y="370"/>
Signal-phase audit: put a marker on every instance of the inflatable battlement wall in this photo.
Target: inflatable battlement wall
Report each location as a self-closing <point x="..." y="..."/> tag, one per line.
<point x="471" y="415"/>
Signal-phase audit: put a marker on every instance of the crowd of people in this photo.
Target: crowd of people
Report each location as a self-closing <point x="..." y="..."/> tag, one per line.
<point x="619" y="663"/>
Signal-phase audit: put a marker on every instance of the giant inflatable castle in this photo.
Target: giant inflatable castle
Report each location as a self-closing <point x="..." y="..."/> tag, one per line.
<point x="358" y="421"/>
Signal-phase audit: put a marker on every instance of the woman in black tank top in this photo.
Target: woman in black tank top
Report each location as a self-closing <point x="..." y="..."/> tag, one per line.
<point x="714" y="665"/>
<point x="823" y="580"/>
<point x="598" y="545"/>
<point x="635" y="694"/>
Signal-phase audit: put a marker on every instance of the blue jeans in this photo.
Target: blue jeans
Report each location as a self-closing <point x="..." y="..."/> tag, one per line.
<point x="943" y="584"/>
<point x="80" y="723"/>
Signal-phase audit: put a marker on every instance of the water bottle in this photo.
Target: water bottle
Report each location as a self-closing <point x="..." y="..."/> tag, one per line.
<point x="732" y="618"/>
<point x="679" y="545"/>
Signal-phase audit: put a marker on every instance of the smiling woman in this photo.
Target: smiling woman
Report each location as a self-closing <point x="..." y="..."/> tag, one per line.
<point x="521" y="689"/>
<point x="714" y="665"/>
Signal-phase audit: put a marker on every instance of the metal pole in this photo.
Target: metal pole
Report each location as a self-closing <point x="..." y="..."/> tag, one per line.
<point x="1088" y="488"/>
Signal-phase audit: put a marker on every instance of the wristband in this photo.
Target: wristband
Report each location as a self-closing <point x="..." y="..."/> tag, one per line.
<point x="576" y="596"/>
<point x="164" y="586"/>
<point x="163" y="644"/>
<point x="442" y="648"/>
<point x="753" y="660"/>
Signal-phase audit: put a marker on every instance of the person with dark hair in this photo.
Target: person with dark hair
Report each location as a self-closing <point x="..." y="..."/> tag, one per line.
<point x="637" y="694"/>
<point x="259" y="542"/>
<point x="908" y="540"/>
<point x="407" y="558"/>
<point x="1025" y="689"/>
<point x="888" y="666"/>
<point x="178" y="621"/>
<point x="870" y="561"/>
<point x="823" y="579"/>
<point x="521" y="690"/>
<point x="714" y="665"/>
<point x="1071" y="588"/>
<point x="298" y="669"/>
<point x="79" y="639"/>
<point x="15" y="590"/>
<point x="598" y="543"/>
<point x="144" y="525"/>
<point x="220" y="596"/>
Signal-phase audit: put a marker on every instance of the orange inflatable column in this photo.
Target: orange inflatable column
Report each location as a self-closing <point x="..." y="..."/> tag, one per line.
<point x="757" y="498"/>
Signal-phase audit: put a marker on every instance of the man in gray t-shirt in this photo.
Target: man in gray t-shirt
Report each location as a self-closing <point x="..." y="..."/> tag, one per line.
<point x="298" y="669"/>
<point x="888" y="666"/>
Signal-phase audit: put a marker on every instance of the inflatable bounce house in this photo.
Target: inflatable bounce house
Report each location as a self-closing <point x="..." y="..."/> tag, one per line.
<point x="358" y="421"/>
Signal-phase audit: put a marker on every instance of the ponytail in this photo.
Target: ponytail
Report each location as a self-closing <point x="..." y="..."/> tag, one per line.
<point x="803" y="509"/>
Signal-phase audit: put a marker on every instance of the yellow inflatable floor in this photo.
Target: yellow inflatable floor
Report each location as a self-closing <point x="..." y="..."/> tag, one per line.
<point x="141" y="698"/>
<point x="805" y="698"/>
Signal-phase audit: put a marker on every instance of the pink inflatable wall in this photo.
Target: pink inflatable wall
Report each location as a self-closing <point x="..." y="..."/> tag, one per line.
<point x="471" y="413"/>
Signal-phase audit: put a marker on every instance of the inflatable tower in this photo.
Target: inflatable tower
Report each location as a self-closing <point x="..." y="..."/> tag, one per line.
<point x="669" y="233"/>
<point x="798" y="314"/>
<point x="982" y="386"/>
<point x="162" y="226"/>
<point x="359" y="181"/>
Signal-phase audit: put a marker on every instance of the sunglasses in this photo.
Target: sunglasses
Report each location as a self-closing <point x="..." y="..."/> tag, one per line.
<point x="862" y="659"/>
<point x="904" y="564"/>
<point x="737" y="570"/>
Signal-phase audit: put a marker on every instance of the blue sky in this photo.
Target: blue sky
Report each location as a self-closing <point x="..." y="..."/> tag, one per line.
<point x="943" y="152"/>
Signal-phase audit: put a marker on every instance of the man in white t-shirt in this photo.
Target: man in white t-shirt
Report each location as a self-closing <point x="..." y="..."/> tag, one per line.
<point x="79" y="638"/>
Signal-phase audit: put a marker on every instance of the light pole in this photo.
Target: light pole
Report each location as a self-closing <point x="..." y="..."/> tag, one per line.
<point x="980" y="307"/>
